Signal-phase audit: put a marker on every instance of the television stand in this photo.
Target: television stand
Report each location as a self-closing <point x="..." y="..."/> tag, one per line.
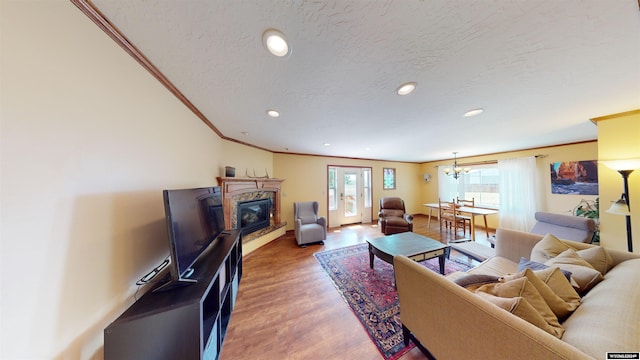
<point x="171" y="284"/>
<point x="187" y="322"/>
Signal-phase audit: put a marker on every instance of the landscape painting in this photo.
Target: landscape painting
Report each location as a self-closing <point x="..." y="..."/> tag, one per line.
<point x="574" y="177"/>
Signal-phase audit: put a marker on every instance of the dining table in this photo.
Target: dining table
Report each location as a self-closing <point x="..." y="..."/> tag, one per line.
<point x="473" y="211"/>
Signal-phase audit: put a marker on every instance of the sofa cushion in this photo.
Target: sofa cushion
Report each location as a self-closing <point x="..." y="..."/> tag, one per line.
<point x="550" y="246"/>
<point x="530" y="264"/>
<point x="534" y="265"/>
<point x="555" y="279"/>
<point x="547" y="248"/>
<point x="521" y="308"/>
<point x="558" y="305"/>
<point x="598" y="257"/>
<point x="496" y="265"/>
<point x="472" y="281"/>
<point x="522" y="287"/>
<point x="581" y="271"/>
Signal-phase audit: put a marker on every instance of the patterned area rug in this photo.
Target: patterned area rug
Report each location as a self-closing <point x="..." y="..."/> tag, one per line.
<point x="371" y="293"/>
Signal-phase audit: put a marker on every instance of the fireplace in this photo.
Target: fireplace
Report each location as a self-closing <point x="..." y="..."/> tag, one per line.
<point x="238" y="190"/>
<point x="253" y="215"/>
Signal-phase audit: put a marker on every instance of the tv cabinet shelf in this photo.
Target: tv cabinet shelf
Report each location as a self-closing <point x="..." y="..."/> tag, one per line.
<point x="187" y="322"/>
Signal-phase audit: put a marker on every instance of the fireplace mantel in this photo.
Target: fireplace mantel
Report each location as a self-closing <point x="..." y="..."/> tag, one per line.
<point x="235" y="186"/>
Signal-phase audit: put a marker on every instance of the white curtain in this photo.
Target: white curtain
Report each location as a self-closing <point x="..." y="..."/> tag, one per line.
<point x="448" y="187"/>
<point x="518" y="188"/>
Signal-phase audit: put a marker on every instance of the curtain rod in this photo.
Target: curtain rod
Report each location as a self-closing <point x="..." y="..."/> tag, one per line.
<point x="487" y="162"/>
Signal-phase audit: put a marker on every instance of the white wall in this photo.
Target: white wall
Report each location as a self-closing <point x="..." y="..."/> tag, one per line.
<point x="89" y="140"/>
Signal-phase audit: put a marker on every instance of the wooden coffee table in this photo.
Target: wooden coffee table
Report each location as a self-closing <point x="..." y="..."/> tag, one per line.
<point x="412" y="245"/>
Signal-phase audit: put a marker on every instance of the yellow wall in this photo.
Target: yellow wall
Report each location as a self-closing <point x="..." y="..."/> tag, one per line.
<point x="306" y="179"/>
<point x="89" y="141"/>
<point x="619" y="139"/>
<point x="549" y="202"/>
<point x="246" y="160"/>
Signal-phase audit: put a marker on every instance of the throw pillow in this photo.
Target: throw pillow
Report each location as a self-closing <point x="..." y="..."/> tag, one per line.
<point x="560" y="308"/>
<point x="534" y="265"/>
<point x="530" y="264"/>
<point x="581" y="271"/>
<point x="547" y="248"/>
<point x="522" y="287"/>
<point x="598" y="257"/>
<point x="555" y="279"/>
<point x="472" y="281"/>
<point x="519" y="307"/>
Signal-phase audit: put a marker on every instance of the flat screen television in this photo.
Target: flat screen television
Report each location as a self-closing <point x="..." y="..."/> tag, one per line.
<point x="194" y="220"/>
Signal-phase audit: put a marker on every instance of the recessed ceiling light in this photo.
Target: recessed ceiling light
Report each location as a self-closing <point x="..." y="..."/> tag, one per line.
<point x="473" y="112"/>
<point x="326" y="144"/>
<point x="273" y="113"/>
<point x="245" y="133"/>
<point x="275" y="42"/>
<point x="406" y="89"/>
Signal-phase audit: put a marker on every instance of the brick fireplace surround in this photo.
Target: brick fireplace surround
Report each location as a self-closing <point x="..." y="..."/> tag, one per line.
<point x="236" y="190"/>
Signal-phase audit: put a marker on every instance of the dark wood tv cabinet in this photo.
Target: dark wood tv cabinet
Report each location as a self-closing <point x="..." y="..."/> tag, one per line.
<point x="187" y="322"/>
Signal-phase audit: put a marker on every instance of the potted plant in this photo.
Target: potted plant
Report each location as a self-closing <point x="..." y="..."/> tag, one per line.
<point x="591" y="210"/>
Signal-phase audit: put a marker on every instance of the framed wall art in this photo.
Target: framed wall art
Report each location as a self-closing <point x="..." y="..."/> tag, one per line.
<point x="574" y="177"/>
<point x="388" y="178"/>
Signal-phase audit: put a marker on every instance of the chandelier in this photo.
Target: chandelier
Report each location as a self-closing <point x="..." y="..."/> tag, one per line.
<point x="455" y="170"/>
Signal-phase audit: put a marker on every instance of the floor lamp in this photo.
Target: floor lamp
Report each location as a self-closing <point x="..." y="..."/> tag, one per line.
<point x="623" y="206"/>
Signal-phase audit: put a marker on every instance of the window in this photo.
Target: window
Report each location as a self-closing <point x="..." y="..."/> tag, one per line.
<point x="481" y="184"/>
<point x="366" y="180"/>
<point x="333" y="193"/>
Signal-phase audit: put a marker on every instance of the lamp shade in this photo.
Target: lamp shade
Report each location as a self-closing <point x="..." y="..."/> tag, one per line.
<point x="627" y="164"/>
<point x="619" y="207"/>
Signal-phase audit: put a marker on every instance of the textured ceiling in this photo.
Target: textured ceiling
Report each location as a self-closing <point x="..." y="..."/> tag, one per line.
<point x="540" y="69"/>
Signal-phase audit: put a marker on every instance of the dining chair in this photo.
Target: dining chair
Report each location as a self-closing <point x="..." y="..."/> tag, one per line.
<point x="468" y="203"/>
<point x="464" y="202"/>
<point x="450" y="217"/>
<point x="444" y="214"/>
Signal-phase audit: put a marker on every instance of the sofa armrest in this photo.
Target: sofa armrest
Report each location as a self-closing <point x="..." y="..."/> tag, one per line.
<point x="453" y="323"/>
<point x="513" y="244"/>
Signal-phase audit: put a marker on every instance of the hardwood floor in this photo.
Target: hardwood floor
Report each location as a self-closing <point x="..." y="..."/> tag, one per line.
<point x="288" y="308"/>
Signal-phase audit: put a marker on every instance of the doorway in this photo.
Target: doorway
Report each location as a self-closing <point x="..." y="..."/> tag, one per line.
<point x="349" y="195"/>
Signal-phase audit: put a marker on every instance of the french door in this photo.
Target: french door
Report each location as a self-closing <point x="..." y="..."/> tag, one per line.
<point x="349" y="195"/>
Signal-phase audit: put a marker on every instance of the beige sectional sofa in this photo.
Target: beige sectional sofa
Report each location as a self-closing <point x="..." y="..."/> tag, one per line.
<point x="452" y="322"/>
